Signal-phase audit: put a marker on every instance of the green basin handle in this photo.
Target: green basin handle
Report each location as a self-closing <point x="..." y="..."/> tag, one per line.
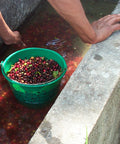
<point x="2" y="69"/>
<point x="1" y="63"/>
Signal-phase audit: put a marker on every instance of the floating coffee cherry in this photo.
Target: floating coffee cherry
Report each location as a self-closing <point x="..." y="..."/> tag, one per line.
<point x="34" y="70"/>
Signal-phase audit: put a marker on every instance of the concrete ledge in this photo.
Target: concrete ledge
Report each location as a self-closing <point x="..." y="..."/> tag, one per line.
<point x="107" y="128"/>
<point x="89" y="100"/>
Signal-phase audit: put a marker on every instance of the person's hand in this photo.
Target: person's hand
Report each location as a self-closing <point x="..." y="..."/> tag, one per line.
<point x="16" y="37"/>
<point x="13" y="37"/>
<point x="105" y="26"/>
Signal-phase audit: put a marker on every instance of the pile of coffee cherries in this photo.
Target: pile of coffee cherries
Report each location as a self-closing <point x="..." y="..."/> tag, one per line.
<point x="34" y="70"/>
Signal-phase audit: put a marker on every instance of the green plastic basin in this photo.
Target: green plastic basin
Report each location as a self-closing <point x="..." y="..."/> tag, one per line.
<point x="34" y="95"/>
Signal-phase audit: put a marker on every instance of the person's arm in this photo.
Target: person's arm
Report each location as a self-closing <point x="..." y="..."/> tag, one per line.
<point x="7" y="35"/>
<point x="73" y="12"/>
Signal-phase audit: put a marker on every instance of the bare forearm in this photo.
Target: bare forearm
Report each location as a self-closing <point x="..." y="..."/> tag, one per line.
<point x="72" y="11"/>
<point x="8" y="36"/>
<point x="5" y="31"/>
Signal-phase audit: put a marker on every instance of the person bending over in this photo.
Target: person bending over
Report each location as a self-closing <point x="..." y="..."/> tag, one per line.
<point x="72" y="11"/>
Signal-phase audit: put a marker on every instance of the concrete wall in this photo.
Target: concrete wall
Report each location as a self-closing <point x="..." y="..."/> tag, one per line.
<point x="107" y="128"/>
<point x="16" y="11"/>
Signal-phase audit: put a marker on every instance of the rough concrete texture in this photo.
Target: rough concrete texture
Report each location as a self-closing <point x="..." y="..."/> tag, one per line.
<point x="16" y="11"/>
<point x="90" y="100"/>
<point x="107" y="128"/>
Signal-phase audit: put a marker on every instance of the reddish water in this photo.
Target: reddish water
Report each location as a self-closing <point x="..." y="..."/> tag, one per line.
<point x="18" y="123"/>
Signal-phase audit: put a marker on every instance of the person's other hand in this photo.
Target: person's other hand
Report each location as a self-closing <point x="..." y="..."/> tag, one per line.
<point x="17" y="37"/>
<point x="105" y="26"/>
<point x="13" y="37"/>
<point x="18" y="40"/>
